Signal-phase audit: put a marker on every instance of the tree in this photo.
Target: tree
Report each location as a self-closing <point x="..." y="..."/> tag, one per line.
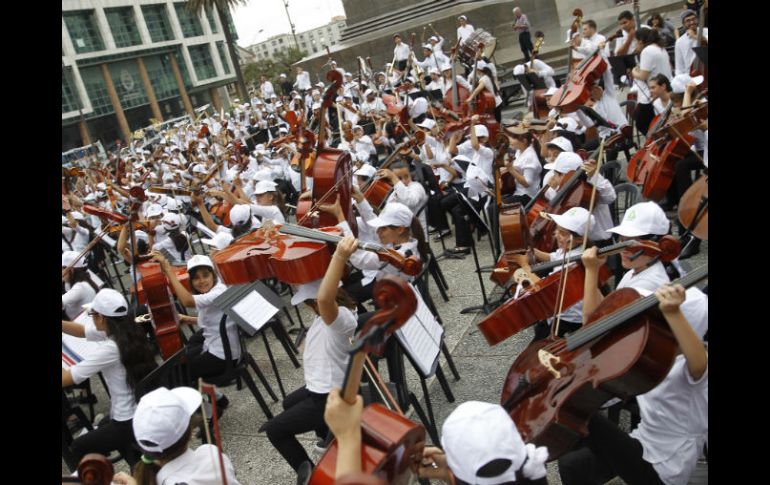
<point x="280" y="63"/>
<point x="223" y="6"/>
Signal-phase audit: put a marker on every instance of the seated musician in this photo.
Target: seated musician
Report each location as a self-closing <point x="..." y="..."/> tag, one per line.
<point x="124" y="357"/>
<point x="525" y="167"/>
<point x="363" y="146"/>
<point x="405" y="190"/>
<point x="205" y="350"/>
<point x="163" y="425"/>
<point x="176" y="243"/>
<point x="80" y="288"/>
<point x="603" y="100"/>
<point x="481" y="444"/>
<point x="569" y="130"/>
<point x="541" y="69"/>
<point x="666" y="445"/>
<point x="325" y="358"/>
<point x="241" y="220"/>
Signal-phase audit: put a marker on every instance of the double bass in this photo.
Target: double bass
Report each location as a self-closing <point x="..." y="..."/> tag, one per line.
<point x="555" y="385"/>
<point x="391" y="444"/>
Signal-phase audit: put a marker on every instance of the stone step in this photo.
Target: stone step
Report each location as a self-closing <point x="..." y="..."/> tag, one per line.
<point x="392" y="18"/>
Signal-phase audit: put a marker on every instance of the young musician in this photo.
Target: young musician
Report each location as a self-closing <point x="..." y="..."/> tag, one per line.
<point x="405" y="190"/>
<point x="78" y="283"/>
<point x="176" y="242"/>
<point x="325" y="358"/>
<point x="124" y="358"/>
<point x="486" y="82"/>
<point x="683" y="49"/>
<point x="653" y="60"/>
<point x="163" y="425"/>
<point x="525" y="167"/>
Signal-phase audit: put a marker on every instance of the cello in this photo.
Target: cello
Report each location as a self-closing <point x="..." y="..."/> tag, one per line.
<point x="539" y="103"/>
<point x="378" y="189"/>
<point x="555" y="385"/>
<point x="331" y="172"/>
<point x="391" y="444"/>
<point x="693" y="210"/>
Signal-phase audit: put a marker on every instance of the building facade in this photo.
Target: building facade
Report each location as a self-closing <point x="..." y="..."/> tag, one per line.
<point x="127" y="61"/>
<point x="311" y="41"/>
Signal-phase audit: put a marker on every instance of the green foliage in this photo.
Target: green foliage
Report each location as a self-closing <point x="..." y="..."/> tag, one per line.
<point x="280" y="63"/>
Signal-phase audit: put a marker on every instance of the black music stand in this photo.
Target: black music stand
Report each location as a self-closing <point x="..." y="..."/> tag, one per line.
<point x="435" y="95"/>
<point x="596" y="117"/>
<point x="473" y="215"/>
<point x="530" y="81"/>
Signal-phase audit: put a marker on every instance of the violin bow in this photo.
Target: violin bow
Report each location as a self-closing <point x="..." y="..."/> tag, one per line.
<point x="210" y="390"/>
<point x="599" y="161"/>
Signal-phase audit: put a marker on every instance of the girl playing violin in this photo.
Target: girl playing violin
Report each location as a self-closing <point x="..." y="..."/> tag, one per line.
<point x="325" y="358"/>
<point x="163" y="424"/>
<point x="124" y="357"/>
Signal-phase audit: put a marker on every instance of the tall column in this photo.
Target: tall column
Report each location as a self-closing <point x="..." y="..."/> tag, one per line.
<point x="122" y="121"/>
<point x="216" y="100"/>
<point x="85" y="135"/>
<point x="180" y="84"/>
<point x="148" y="89"/>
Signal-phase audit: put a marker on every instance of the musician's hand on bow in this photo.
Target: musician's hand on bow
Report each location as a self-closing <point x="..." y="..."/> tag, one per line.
<point x="334" y="209"/>
<point x="591" y="260"/>
<point x="670" y="297"/>
<point x="434" y="465"/>
<point x="589" y="167"/>
<point x="343" y="419"/>
<point x="124" y="478"/>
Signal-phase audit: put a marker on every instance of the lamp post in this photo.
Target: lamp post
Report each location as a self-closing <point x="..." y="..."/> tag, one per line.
<point x="293" y="34"/>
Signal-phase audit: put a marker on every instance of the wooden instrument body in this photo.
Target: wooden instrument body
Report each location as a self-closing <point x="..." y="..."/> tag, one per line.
<point x="577" y="91"/>
<point x="536" y="303"/>
<point x="689" y="206"/>
<point x="165" y="318"/>
<point x="387" y="437"/>
<point x="181" y="274"/>
<point x="330" y="167"/>
<point x="245" y="260"/>
<point x="378" y="192"/>
<point x="653" y="166"/>
<point x="573" y="192"/>
<point x="629" y="360"/>
<point x="514" y="233"/>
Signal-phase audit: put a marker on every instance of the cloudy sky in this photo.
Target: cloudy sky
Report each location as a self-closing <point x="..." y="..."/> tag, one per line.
<point x="261" y="19"/>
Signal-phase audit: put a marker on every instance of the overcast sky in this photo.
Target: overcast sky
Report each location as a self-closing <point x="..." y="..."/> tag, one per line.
<point x="259" y="20"/>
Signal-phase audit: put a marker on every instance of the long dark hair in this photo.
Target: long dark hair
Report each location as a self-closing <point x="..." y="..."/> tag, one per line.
<point x="486" y="70"/>
<point x="146" y="473"/>
<point x="81" y="274"/>
<point x="241" y="229"/>
<point x="136" y="354"/>
<point x="418" y="233"/>
<point x="649" y="36"/>
<point x="180" y="241"/>
<point x="530" y="140"/>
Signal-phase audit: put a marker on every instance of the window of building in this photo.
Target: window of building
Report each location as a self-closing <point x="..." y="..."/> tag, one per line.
<point x="280" y="41"/>
<point x="161" y="76"/>
<point x="202" y="61"/>
<point x="123" y="26"/>
<point x="83" y="31"/>
<point x="223" y="56"/>
<point x="304" y="45"/>
<point x="190" y="23"/>
<point x="210" y="14"/>
<point x="128" y="83"/>
<point x="273" y="43"/>
<point x="156" y="18"/>
<point x="69" y="100"/>
<point x="96" y="90"/>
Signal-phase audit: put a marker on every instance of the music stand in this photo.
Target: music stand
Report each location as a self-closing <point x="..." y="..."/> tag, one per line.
<point x="596" y="117"/>
<point x="473" y="215"/>
<point x="530" y="81"/>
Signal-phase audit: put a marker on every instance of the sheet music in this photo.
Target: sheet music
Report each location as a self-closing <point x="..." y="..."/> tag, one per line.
<point x="255" y="310"/>
<point x="421" y="336"/>
<point x="205" y="230"/>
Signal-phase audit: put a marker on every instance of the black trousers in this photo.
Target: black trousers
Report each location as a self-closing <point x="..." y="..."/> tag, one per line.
<point x="114" y="435"/>
<point x="644" y="115"/>
<point x="452" y="204"/>
<point x="543" y="330"/>
<point x="683" y="175"/>
<point x="303" y="412"/>
<point x="605" y="453"/>
<point x="525" y="42"/>
<point x="522" y="199"/>
<point x="200" y="363"/>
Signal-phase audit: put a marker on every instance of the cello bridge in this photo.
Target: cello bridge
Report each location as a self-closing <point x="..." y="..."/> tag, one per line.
<point x="547" y="359"/>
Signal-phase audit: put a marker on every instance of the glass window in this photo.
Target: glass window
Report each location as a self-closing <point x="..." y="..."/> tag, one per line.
<point x="128" y="83"/>
<point x="123" y="26"/>
<point x="96" y="89"/>
<point x="69" y="100"/>
<point x="83" y="31"/>
<point x="202" y="61"/>
<point x="223" y="56"/>
<point x="161" y="76"/>
<point x="212" y="22"/>
<point x="190" y="23"/>
<point x="156" y="18"/>
<point x="280" y="41"/>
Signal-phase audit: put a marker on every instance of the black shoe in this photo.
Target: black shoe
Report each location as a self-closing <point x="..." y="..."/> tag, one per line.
<point x="690" y="250"/>
<point x="304" y="472"/>
<point x="442" y="234"/>
<point x="222" y="404"/>
<point x="458" y="250"/>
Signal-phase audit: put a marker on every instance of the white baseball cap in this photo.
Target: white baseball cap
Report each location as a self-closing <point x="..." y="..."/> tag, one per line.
<point x="427" y="123"/>
<point x="163" y="416"/>
<point x="481" y="130"/>
<point x="574" y="220"/>
<point x="90" y="197"/>
<point x="394" y="214"/>
<point x="198" y="168"/>
<point x="239" y="214"/>
<point x="562" y="143"/>
<point x="78" y="216"/>
<point x="153" y="210"/>
<point x="477" y="433"/>
<point x="220" y="241"/>
<point x="172" y="204"/>
<point x="307" y="291"/>
<point x="565" y="162"/>
<point x="642" y="219"/>
<point x="109" y="303"/>
<point x="263" y="186"/>
<point x="366" y="170"/>
<point x="199" y="260"/>
<point x="171" y="220"/>
<point x="67" y="257"/>
<point x="433" y="37"/>
<point x="680" y="82"/>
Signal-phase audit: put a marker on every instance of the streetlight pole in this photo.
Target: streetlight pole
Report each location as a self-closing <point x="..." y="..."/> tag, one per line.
<point x="293" y="34"/>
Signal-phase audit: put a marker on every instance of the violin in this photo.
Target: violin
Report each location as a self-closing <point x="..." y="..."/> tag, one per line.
<point x="555" y="385"/>
<point x="538" y="300"/>
<point x="391" y="444"/>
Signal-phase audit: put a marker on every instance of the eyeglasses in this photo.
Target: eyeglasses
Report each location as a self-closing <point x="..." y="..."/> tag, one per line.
<point x="92" y="313"/>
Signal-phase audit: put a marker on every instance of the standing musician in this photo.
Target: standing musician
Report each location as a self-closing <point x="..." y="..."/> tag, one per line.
<point x="464" y="30"/>
<point x="653" y="60"/>
<point x="487" y="82"/>
<point x="522" y="27"/>
<point x="400" y="55"/>
<point x="589" y="41"/>
<point x="325" y="359"/>
<point x="437" y="44"/>
<point x="683" y="53"/>
<point x="627" y="43"/>
<point x="80" y="288"/>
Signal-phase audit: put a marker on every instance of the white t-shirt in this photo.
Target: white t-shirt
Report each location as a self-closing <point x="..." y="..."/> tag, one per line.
<point x="574" y="313"/>
<point x="683" y="53"/>
<point x="73" y="300"/>
<point x="325" y="357"/>
<point x="649" y="279"/>
<point x="529" y="165"/>
<point x="199" y="467"/>
<point x="176" y="256"/>
<point x="655" y="60"/>
<point x="78" y="242"/>
<point x="464" y="32"/>
<point x="271" y="212"/>
<point x="401" y="52"/>
<point x="412" y="196"/>
<point x="208" y="319"/>
<point x="489" y="86"/>
<point x="106" y="359"/>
